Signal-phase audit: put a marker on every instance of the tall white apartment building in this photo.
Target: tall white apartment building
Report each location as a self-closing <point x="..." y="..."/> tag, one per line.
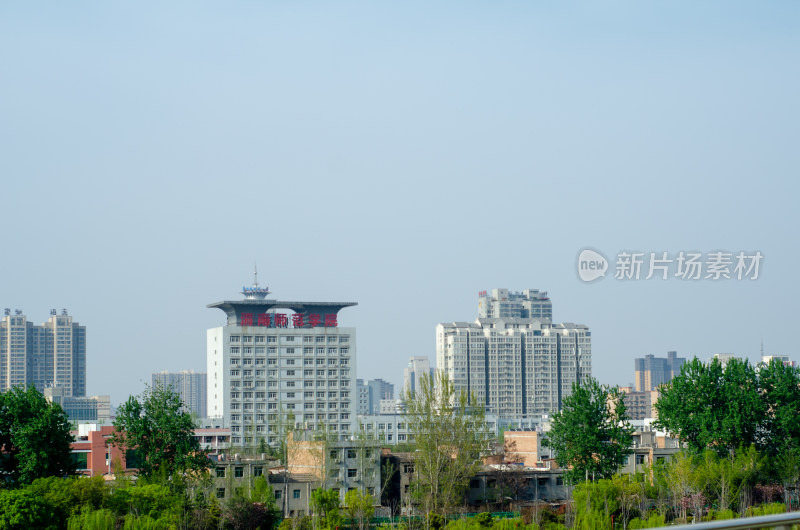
<point x="515" y="366"/>
<point x="277" y="360"/>
<point x="418" y="366"/>
<point x="51" y="354"/>
<point x="191" y="386"/>
<point x="502" y="303"/>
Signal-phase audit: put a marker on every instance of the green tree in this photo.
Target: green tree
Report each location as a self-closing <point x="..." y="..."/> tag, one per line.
<point x="162" y="435"/>
<point x="780" y="392"/>
<point x="591" y="435"/>
<point x="359" y="507"/>
<point x="325" y="502"/>
<point x="711" y="406"/>
<point x="35" y="437"/>
<point x="449" y="435"/>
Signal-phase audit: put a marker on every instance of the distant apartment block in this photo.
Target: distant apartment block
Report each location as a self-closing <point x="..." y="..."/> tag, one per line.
<point x="725" y="358"/>
<point x="418" y="366"/>
<point x="51" y="354"/>
<point x="650" y="372"/>
<point x="766" y="359"/>
<point x="502" y="303"/>
<point x="93" y="409"/>
<point x="370" y="394"/>
<point x="191" y="386"/>
<point x="517" y="366"/>
<point x="639" y="405"/>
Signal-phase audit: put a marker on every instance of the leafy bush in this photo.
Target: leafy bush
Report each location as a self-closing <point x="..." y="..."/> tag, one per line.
<point x="90" y="519"/>
<point x="654" y="521"/>
<point x="22" y="509"/>
<point x="766" y="509"/>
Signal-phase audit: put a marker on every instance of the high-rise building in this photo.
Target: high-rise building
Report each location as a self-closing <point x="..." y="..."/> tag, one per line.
<point x="783" y="359"/>
<point x="516" y="367"/>
<point x="274" y="360"/>
<point x="412" y="375"/>
<point x="52" y="354"/>
<point x="191" y="386"/>
<point x="94" y="409"/>
<point x="650" y="372"/>
<point x="502" y="303"/>
<point x="370" y="394"/>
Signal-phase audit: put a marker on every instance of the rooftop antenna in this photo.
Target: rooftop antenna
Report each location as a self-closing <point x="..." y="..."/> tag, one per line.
<point x="255" y="292"/>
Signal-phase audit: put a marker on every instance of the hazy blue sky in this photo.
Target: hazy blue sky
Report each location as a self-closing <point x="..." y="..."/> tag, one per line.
<point x="404" y="155"/>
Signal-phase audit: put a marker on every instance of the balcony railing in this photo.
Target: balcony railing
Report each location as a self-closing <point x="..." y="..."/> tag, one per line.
<point x="781" y="521"/>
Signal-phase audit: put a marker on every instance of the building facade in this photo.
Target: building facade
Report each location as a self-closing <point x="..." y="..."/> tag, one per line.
<point x="516" y="367"/>
<point x="51" y="354"/>
<point x="94" y="409"/>
<point x="191" y="386"/>
<point x="418" y="367"/>
<point x="650" y="372"/>
<point x="276" y="362"/>
<point x="371" y="393"/>
<point x="502" y="303"/>
<point x="639" y="405"/>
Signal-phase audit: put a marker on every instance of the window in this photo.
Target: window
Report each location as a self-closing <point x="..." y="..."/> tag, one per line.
<point x="278" y="494"/>
<point x="289" y="372"/>
<point x="238" y="472"/>
<point x="296" y="494"/>
<point x="352" y="473"/>
<point x="351" y="453"/>
<point x="234" y="338"/>
<point x="290" y="361"/>
<point x="220" y="493"/>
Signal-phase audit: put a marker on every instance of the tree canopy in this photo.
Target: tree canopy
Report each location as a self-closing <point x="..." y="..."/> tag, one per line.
<point x="162" y="435"/>
<point x="591" y="435"/>
<point x="711" y="406"/>
<point x="449" y="436"/>
<point x="34" y="435"/>
<point x="737" y="405"/>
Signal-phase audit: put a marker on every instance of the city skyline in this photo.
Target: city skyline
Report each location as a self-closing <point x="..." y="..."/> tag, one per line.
<point x="151" y="154"/>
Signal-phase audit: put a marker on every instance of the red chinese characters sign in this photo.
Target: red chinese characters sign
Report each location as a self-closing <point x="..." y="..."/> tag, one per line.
<point x="281" y="320"/>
